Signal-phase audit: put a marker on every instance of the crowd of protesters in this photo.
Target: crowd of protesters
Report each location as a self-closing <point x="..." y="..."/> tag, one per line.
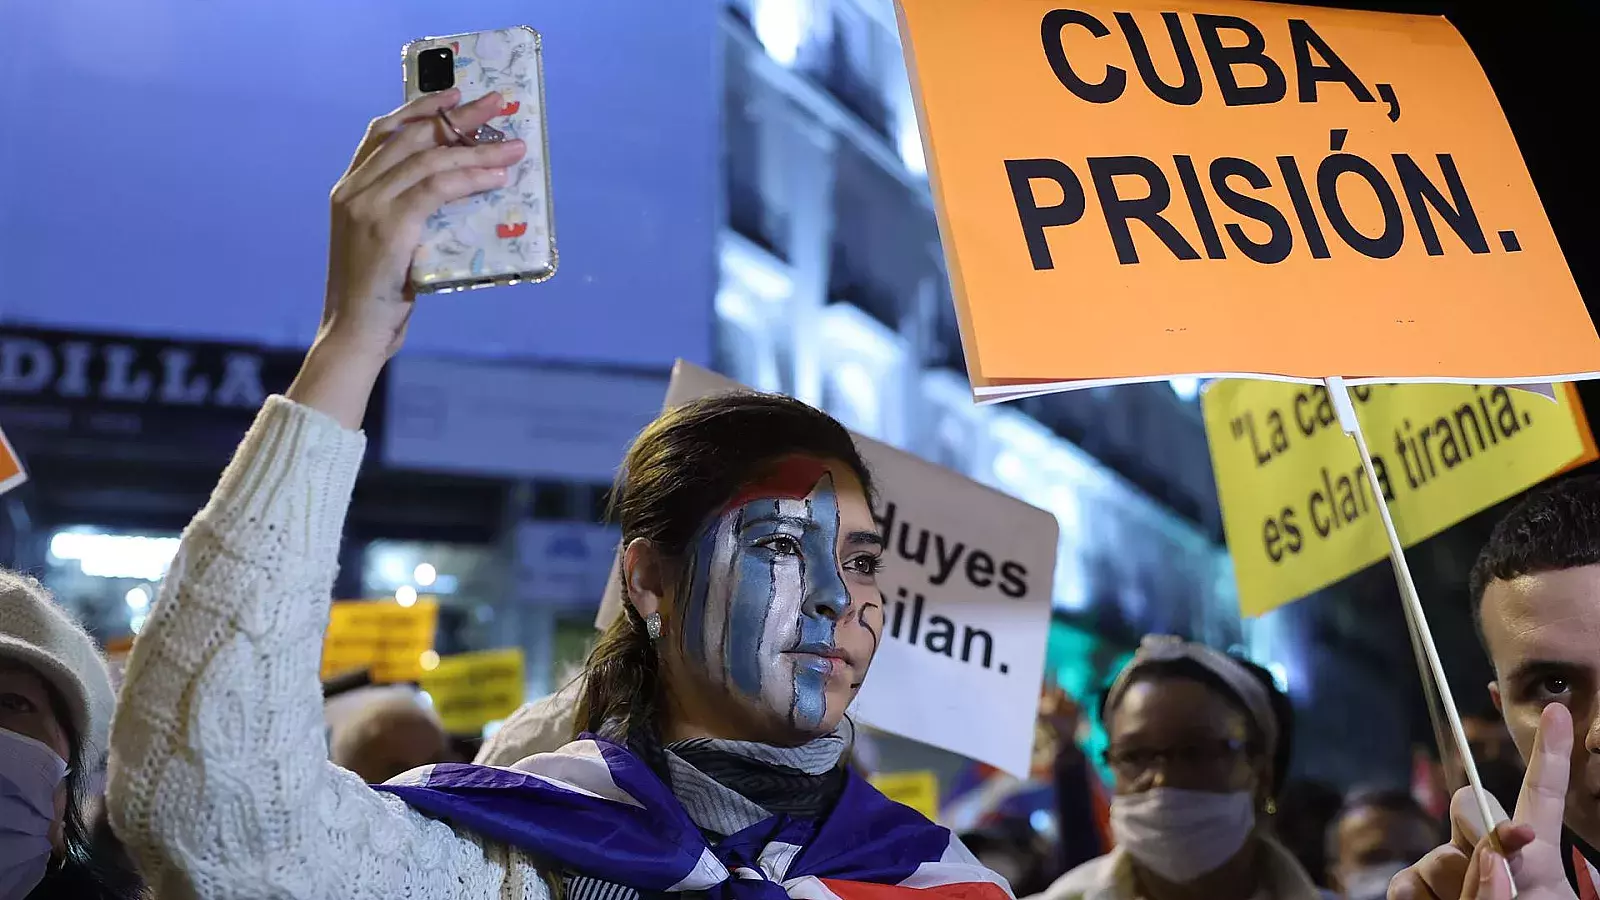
<point x="704" y="747"/>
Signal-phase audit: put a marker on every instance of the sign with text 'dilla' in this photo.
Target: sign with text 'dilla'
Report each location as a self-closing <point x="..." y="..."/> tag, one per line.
<point x="1136" y="190"/>
<point x="1299" y="511"/>
<point x="966" y="584"/>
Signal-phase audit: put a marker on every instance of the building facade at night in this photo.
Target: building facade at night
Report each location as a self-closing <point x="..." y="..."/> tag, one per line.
<point x="740" y="184"/>
<point x="833" y="289"/>
<point x="160" y="286"/>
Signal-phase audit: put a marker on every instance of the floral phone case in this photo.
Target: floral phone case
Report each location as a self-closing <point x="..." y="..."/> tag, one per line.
<point x="506" y="236"/>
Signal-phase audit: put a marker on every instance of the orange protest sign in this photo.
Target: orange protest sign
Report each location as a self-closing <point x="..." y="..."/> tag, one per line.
<point x="1130" y="190"/>
<point x="11" y="472"/>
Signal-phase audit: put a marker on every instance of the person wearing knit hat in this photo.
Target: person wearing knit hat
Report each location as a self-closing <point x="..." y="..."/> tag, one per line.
<point x="55" y="717"/>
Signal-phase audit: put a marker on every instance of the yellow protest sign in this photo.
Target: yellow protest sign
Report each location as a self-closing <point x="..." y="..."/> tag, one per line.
<point x="470" y="690"/>
<point x="1134" y="189"/>
<point x="381" y="636"/>
<point x="918" y="790"/>
<point x="1300" y="513"/>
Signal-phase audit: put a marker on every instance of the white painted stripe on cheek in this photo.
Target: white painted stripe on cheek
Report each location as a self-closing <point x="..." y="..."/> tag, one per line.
<point x="781" y="632"/>
<point x="719" y="594"/>
<point x="782" y="629"/>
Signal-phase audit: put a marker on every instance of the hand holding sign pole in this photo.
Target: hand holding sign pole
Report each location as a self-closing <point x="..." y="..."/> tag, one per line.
<point x="1416" y="619"/>
<point x="1304" y="191"/>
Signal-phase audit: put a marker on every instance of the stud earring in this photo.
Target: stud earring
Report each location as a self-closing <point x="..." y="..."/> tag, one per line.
<point x="652" y="626"/>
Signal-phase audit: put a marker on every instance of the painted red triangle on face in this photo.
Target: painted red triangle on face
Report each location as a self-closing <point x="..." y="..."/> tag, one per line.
<point x="793" y="478"/>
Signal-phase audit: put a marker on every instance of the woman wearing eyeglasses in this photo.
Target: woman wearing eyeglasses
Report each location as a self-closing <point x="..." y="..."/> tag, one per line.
<point x="1199" y="747"/>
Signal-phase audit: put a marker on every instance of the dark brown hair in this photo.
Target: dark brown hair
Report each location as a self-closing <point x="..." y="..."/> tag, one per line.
<point x="95" y="865"/>
<point x="1555" y="527"/>
<point x="682" y="468"/>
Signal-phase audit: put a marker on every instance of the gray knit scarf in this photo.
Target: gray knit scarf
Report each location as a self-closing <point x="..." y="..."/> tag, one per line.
<point x="727" y="786"/>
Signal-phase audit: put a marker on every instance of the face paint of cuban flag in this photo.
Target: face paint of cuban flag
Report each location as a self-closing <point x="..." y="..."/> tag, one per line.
<point x="767" y="594"/>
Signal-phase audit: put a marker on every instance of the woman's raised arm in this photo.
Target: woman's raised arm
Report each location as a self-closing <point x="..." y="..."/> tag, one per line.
<point x="220" y="784"/>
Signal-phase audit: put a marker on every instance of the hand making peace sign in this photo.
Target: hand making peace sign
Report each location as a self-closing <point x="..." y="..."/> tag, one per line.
<point x="1469" y="868"/>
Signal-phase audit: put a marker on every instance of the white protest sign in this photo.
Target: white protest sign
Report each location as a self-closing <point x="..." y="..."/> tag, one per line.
<point x="966" y="588"/>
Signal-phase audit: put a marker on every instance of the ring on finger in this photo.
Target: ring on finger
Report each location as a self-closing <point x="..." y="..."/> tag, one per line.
<point x="484" y="135"/>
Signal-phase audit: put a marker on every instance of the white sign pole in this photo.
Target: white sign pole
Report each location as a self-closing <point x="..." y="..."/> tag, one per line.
<point x="1416" y="619"/>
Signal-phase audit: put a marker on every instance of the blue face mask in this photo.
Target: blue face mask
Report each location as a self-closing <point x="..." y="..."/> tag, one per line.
<point x="30" y="773"/>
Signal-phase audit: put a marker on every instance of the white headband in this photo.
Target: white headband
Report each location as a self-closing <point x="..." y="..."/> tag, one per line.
<point x="1160" y="648"/>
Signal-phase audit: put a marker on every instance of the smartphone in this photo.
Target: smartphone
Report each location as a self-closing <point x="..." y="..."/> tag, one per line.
<point x="504" y="236"/>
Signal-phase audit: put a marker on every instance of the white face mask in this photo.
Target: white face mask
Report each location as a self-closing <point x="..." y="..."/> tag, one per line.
<point x="1371" y="882"/>
<point x="1180" y="834"/>
<point x="30" y="772"/>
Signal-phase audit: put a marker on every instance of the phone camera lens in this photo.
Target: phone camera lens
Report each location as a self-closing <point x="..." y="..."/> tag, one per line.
<point x="436" y="70"/>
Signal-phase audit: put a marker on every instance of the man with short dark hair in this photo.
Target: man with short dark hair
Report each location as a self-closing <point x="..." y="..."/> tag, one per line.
<point x="1536" y="599"/>
<point x="1375" y="835"/>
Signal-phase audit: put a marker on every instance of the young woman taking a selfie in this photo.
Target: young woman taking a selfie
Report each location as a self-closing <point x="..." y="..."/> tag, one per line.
<point x="713" y="711"/>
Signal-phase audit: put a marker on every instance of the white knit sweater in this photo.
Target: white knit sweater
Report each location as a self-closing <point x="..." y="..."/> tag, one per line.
<point x="220" y="783"/>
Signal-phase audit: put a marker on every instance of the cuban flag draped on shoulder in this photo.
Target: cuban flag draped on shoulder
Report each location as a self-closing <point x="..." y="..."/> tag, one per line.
<point x="594" y="809"/>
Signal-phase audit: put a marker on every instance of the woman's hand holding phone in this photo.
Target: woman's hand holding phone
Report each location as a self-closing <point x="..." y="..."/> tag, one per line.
<point x="407" y="166"/>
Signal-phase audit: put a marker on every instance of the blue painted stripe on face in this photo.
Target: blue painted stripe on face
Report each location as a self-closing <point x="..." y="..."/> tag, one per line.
<point x="815" y="632"/>
<point x="752" y="600"/>
<point x="694" y="619"/>
<point x="810" y="695"/>
<point x="826" y="599"/>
